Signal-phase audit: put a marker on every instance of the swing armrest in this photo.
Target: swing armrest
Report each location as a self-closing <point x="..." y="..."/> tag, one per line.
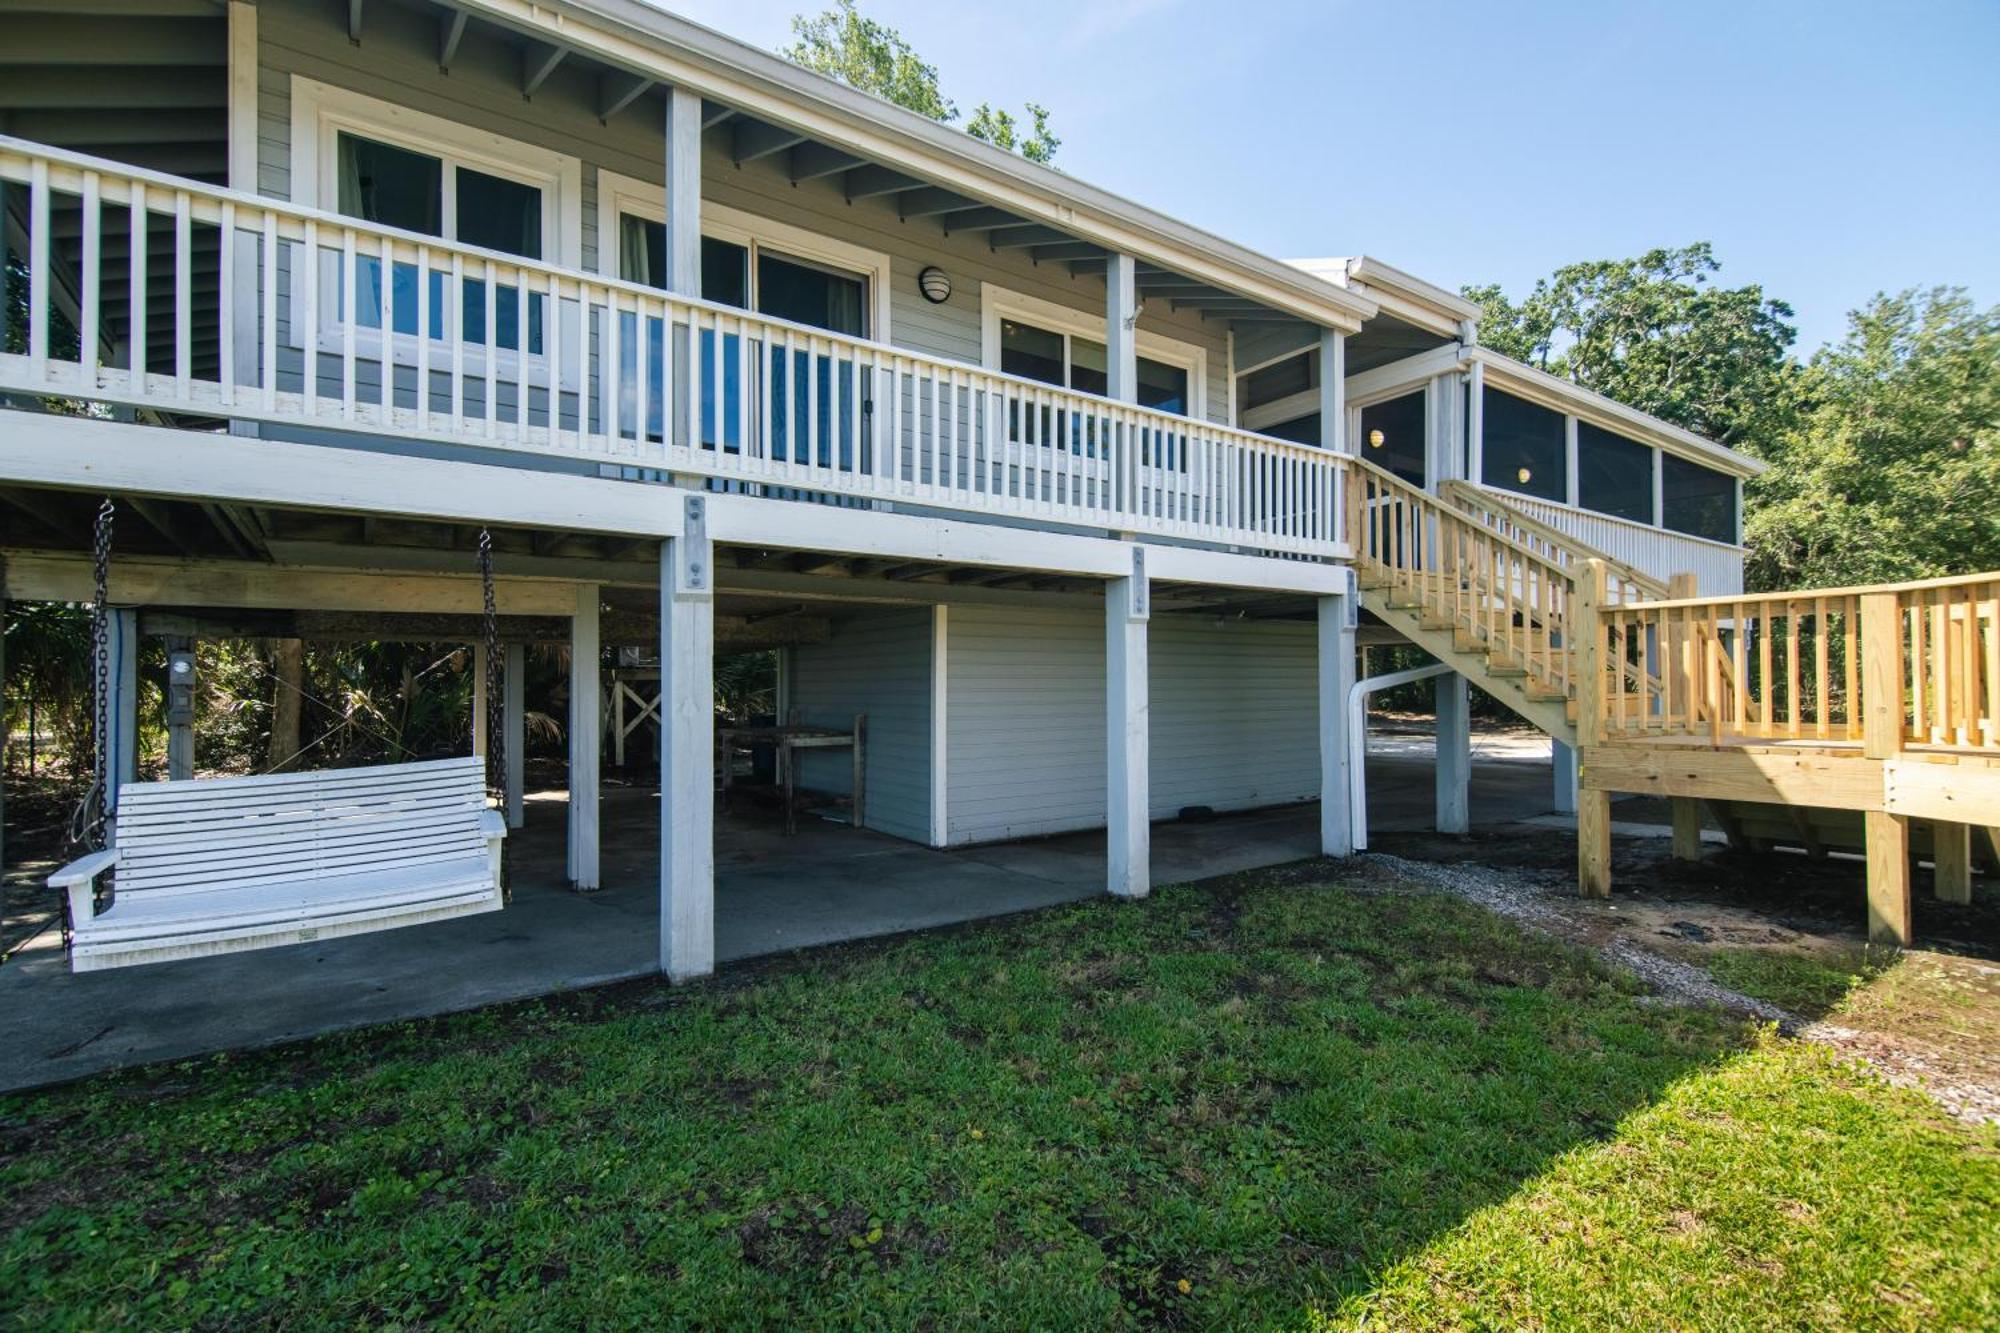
<point x="492" y="825"/>
<point x="77" y="878"/>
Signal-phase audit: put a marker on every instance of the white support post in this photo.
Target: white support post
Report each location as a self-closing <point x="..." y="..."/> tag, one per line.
<point x="1333" y="391"/>
<point x="1562" y="763"/>
<point x="586" y="739"/>
<point x="1128" y="727"/>
<point x="687" y="750"/>
<point x="1475" y="425"/>
<point x="1572" y="467"/>
<point x="514" y="729"/>
<point x="940" y="725"/>
<point x="119" y="759"/>
<point x="1454" y="755"/>
<point x="479" y="745"/>
<point x="683" y="177"/>
<point x="244" y="247"/>
<point x="1337" y="617"/>
<point x="1121" y="328"/>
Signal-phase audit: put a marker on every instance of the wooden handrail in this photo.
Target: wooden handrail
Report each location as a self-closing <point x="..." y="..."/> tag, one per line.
<point x="1473" y="497"/>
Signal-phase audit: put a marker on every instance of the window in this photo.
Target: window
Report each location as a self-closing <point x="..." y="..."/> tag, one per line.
<point x="1392" y="436"/>
<point x="1525" y="447"/>
<point x="1299" y="430"/>
<point x="390" y="165"/>
<point x="1084" y="364"/>
<point x="742" y="267"/>
<point x="1697" y="500"/>
<point x="1614" y="475"/>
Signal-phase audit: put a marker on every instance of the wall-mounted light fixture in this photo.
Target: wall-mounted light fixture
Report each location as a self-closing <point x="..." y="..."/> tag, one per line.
<point x="935" y="284"/>
<point x="1523" y="476"/>
<point x="1376" y="439"/>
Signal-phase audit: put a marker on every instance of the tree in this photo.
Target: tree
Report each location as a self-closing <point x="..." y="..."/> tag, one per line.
<point x="1656" y="334"/>
<point x="1892" y="470"/>
<point x="845" y="44"/>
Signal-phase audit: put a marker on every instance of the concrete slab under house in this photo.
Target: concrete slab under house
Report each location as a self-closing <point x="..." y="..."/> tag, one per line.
<point x="577" y="326"/>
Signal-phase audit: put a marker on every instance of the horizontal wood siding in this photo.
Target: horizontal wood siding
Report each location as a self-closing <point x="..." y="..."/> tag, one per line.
<point x="1024" y="722"/>
<point x="878" y="663"/>
<point x="396" y="61"/>
<point x="1234" y="719"/>
<point x="1235" y="713"/>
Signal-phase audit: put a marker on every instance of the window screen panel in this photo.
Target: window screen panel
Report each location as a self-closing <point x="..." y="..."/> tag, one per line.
<point x="1392" y="436"/>
<point x="1524" y="447"/>
<point x="1614" y="475"/>
<point x="1281" y="379"/>
<point x="1697" y="500"/>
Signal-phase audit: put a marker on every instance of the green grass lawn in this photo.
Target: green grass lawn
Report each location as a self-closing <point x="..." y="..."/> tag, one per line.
<point x="1270" y="1103"/>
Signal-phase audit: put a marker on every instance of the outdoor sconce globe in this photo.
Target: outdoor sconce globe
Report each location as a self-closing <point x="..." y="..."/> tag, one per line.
<point x="1376" y="439"/>
<point x="1523" y="475"/>
<point x="935" y="284"/>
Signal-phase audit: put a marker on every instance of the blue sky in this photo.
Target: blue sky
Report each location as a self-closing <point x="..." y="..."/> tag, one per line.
<point x="1829" y="150"/>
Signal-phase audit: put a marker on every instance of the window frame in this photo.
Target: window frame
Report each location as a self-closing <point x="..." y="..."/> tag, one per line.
<point x="321" y="112"/>
<point x="618" y="194"/>
<point x="998" y="303"/>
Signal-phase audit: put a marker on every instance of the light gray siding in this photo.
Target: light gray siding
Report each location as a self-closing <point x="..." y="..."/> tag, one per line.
<point x="1235" y="713"/>
<point x="1235" y="722"/>
<point x="396" y="61"/>
<point x="878" y="663"/>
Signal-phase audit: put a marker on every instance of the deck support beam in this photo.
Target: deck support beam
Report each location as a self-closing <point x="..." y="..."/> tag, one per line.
<point x="1337" y="617"/>
<point x="1562" y="770"/>
<point x="1333" y="391"/>
<point x="586" y="739"/>
<point x="1687" y="828"/>
<point x="514" y="728"/>
<point x="1453" y="769"/>
<point x="1951" y="855"/>
<point x="687" y="749"/>
<point x="1128" y="725"/>
<point x="480" y="744"/>
<point x="1888" y="877"/>
<point x="1593" y="804"/>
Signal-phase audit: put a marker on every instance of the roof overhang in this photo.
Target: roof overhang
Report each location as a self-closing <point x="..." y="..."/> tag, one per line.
<point x="1401" y="294"/>
<point x="649" y="41"/>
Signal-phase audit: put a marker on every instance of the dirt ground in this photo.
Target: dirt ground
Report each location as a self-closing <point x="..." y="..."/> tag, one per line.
<point x="1928" y="1016"/>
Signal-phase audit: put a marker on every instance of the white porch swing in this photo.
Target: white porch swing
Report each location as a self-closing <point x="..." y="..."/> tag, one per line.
<point x="217" y="865"/>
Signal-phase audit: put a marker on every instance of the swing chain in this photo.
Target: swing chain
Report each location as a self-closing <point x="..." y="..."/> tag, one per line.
<point x="496" y="740"/>
<point x="97" y="814"/>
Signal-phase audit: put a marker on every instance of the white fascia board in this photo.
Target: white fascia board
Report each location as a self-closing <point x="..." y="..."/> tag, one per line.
<point x="640" y="37"/>
<point x="1401" y="294"/>
<point x="1558" y="394"/>
<point x="77" y="453"/>
<point x="750" y="520"/>
<point x="1228" y="569"/>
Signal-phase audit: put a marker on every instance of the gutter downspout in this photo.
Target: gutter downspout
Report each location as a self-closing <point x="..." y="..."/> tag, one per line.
<point x="1357" y="739"/>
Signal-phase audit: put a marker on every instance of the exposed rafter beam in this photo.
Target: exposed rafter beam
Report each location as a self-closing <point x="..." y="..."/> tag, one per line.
<point x="1080" y="267"/>
<point x="1172" y="280"/>
<point x="1185" y="301"/>
<point x="1066" y="250"/>
<point x="538" y="61"/>
<point x="714" y="113"/>
<point x="451" y="33"/>
<point x="753" y="139"/>
<point x="872" y="182"/>
<point x="616" y="91"/>
<point x="933" y="202"/>
<point x="1272" y="318"/>
<point x="354" y="21"/>
<point x="1021" y="238"/>
<point x="811" y="161"/>
<point x="981" y="219"/>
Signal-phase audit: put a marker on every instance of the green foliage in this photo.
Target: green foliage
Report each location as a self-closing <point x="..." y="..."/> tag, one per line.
<point x="1892" y="469"/>
<point x="1656" y="333"/>
<point x="1803" y="984"/>
<point x="1244" y="1100"/>
<point x="845" y="44"/>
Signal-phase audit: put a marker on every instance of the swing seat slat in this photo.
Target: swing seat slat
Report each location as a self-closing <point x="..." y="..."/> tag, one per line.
<point x="216" y="866"/>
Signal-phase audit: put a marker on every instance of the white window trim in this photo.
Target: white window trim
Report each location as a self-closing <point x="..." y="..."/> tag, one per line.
<point x="321" y="111"/>
<point x="997" y="303"/>
<point x="618" y="194"/>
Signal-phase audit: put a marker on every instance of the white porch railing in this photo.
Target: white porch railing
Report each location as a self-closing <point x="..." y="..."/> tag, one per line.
<point x="246" y="307"/>
<point x="1658" y="553"/>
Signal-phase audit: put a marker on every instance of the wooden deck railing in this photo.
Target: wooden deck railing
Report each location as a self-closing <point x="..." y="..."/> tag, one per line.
<point x="1796" y="666"/>
<point x="1626" y="583"/>
<point x="1464" y="570"/>
<point x="175" y="297"/>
